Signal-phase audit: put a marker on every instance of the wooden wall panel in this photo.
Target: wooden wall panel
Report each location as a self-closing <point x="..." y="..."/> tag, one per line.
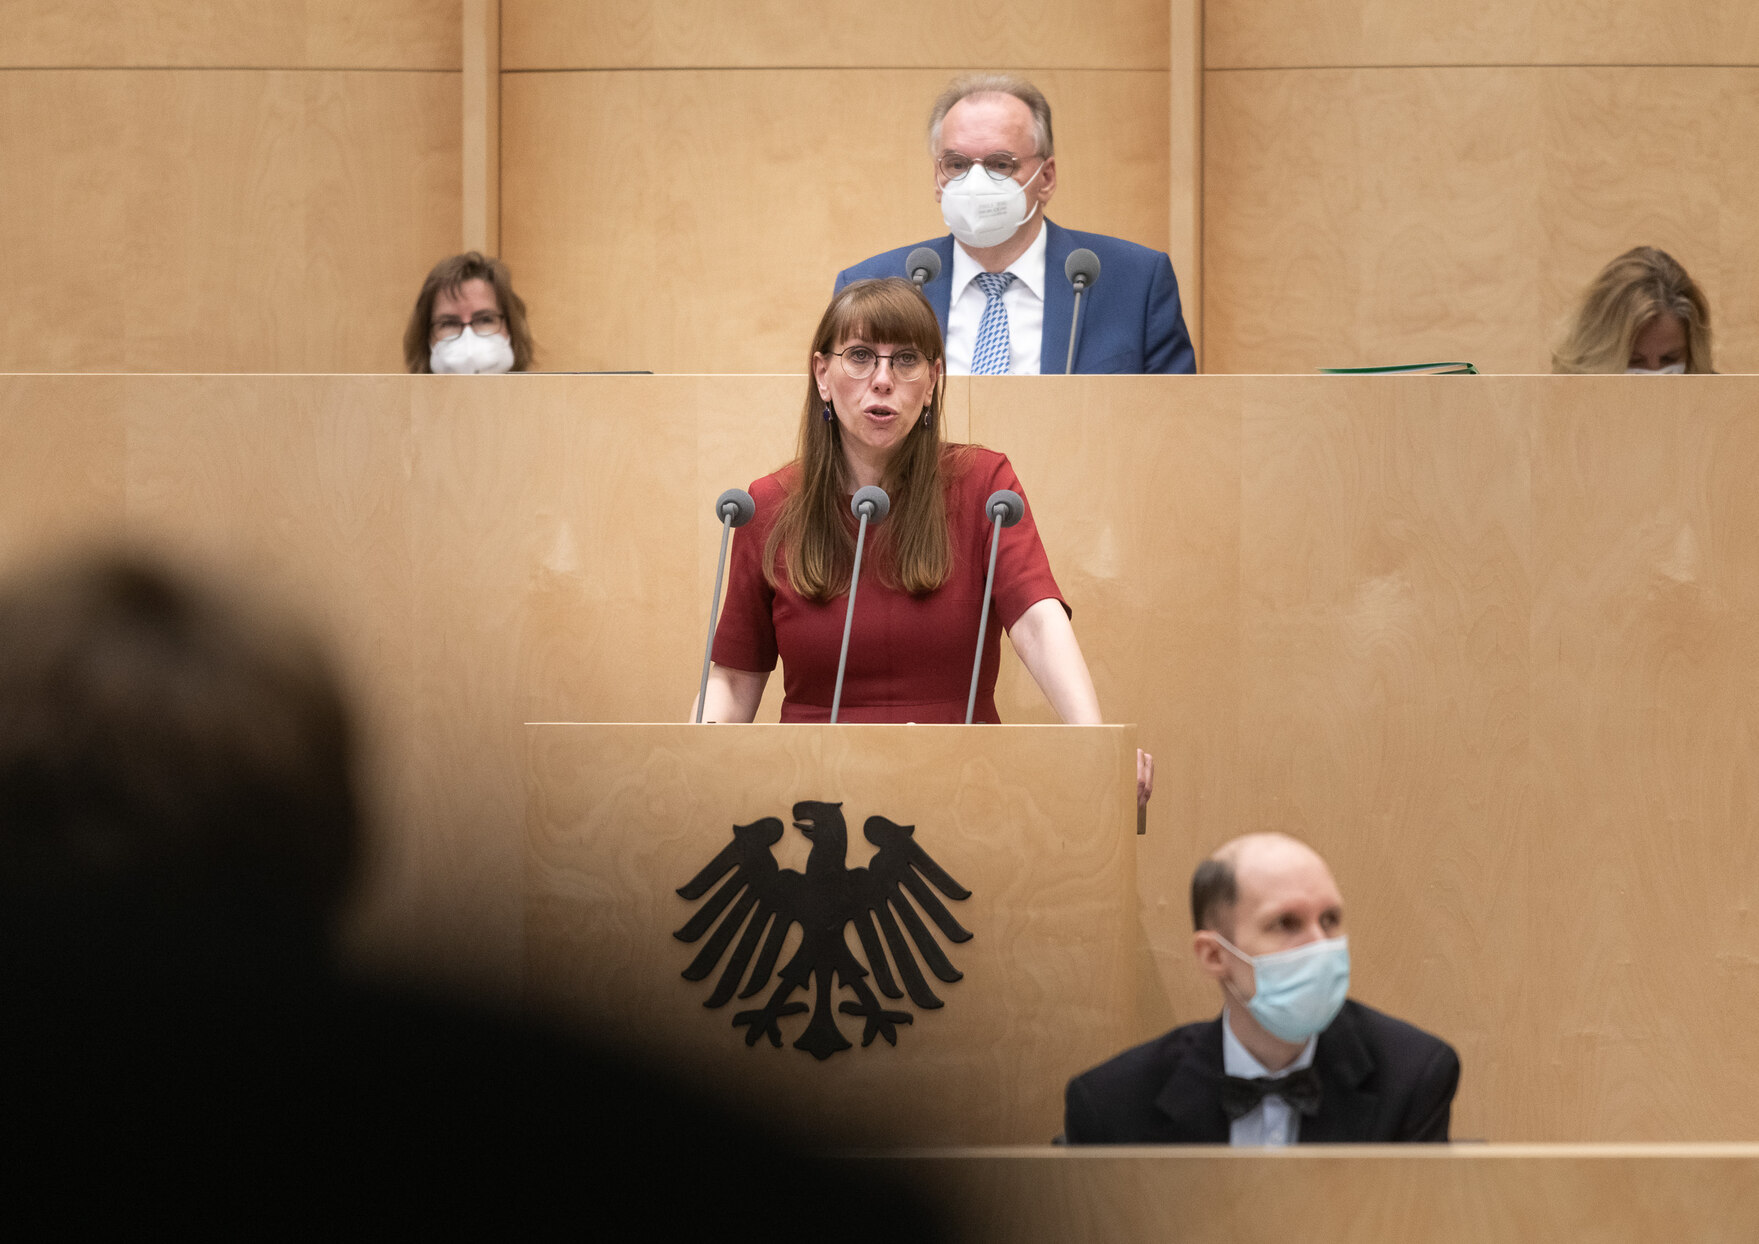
<point x="222" y="221"/>
<point x="1489" y="642"/>
<point x="230" y="34"/>
<point x="1490" y="649"/>
<point x="297" y="485"/>
<point x="689" y="34"/>
<point x="1164" y="544"/>
<point x="62" y="462"/>
<point x="1308" y="33"/>
<point x="1458" y="213"/>
<point x="707" y="237"/>
<point x="1645" y="712"/>
<point x="1495" y="1194"/>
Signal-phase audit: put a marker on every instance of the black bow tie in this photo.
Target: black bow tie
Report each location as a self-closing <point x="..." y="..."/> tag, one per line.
<point x="1240" y="1096"/>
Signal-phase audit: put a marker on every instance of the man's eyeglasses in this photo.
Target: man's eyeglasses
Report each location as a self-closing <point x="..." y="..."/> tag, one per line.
<point x="859" y="362"/>
<point x="483" y="323"/>
<point x="1000" y="165"/>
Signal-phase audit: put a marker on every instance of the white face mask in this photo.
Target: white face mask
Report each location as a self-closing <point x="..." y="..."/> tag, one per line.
<point x="982" y="211"/>
<point x="470" y="355"/>
<point x="1672" y="369"/>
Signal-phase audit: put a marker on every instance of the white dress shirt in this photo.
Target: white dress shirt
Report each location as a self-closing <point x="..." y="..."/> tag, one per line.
<point x="1023" y="300"/>
<point x="1272" y="1122"/>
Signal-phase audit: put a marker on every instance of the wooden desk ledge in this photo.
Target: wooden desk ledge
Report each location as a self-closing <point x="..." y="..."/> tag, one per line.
<point x="1610" y="1193"/>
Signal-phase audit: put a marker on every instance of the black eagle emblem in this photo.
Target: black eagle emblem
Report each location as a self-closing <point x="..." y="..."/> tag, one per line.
<point x="823" y="901"/>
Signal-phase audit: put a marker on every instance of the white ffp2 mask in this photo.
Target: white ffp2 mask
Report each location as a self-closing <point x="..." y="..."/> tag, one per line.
<point x="470" y="355"/>
<point x="982" y="211"/>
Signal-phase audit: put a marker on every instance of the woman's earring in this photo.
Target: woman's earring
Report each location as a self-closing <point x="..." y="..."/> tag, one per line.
<point x="928" y="419"/>
<point x="829" y="416"/>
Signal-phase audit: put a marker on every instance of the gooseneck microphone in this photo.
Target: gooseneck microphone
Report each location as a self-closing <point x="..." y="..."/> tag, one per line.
<point x="924" y="265"/>
<point x="734" y="508"/>
<point x="1004" y="508"/>
<point x="1082" y="269"/>
<point x="870" y="504"/>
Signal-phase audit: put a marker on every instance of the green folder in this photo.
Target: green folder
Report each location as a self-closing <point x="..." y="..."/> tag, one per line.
<point x="1404" y="369"/>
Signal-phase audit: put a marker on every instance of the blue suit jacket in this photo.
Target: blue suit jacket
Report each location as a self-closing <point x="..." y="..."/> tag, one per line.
<point x="1130" y="317"/>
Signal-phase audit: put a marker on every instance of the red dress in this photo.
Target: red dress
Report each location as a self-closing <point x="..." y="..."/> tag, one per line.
<point x="909" y="656"/>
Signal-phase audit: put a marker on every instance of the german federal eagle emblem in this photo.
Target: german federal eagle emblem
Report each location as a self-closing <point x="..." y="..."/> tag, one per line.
<point x="766" y="901"/>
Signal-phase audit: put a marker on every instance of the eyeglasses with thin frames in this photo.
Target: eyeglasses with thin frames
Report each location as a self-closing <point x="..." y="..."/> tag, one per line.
<point x="859" y="362"/>
<point x="483" y="323"/>
<point x="1000" y="165"/>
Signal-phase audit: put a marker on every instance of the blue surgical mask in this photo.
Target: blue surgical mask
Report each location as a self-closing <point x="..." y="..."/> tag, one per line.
<point x="1672" y="369"/>
<point x="1298" y="992"/>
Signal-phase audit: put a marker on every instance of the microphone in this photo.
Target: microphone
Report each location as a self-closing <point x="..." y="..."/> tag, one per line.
<point x="1004" y="508"/>
<point x="734" y="508"/>
<point x="924" y="265"/>
<point x="1082" y="269"/>
<point x="870" y="504"/>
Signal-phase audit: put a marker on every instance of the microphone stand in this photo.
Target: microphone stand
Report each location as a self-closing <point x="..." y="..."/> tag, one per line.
<point x="1074" y="325"/>
<point x="1005" y="508"/>
<point x="1082" y="269"/>
<point x="867" y="502"/>
<point x="735" y="508"/>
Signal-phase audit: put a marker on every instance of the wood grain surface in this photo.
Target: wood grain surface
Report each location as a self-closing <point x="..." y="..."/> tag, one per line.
<point x="214" y="221"/>
<point x="759" y="34"/>
<point x="1490" y="1194"/>
<point x="230" y="34"/>
<point x="1488" y="642"/>
<point x="1307" y="33"/>
<point x="707" y="237"/>
<point x="480" y="195"/>
<point x="1037" y="823"/>
<point x="1364" y="217"/>
<point x="1411" y="672"/>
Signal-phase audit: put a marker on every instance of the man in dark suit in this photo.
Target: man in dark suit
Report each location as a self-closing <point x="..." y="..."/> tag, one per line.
<point x="1289" y="1059"/>
<point x="1002" y="297"/>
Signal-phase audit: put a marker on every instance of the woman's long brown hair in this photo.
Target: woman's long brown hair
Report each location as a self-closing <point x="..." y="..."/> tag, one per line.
<point x="912" y="549"/>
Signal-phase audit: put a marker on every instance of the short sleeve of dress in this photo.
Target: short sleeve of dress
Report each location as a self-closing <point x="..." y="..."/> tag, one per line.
<point x="1023" y="570"/>
<point x="745" y="637"/>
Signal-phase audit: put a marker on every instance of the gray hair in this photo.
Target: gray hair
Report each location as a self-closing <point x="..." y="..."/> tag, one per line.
<point x="967" y="85"/>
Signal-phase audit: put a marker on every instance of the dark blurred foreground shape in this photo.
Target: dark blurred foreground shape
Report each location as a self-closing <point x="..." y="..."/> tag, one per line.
<point x="179" y="826"/>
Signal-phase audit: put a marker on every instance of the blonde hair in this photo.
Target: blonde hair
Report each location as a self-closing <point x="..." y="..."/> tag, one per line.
<point x="912" y="549"/>
<point x="1630" y="293"/>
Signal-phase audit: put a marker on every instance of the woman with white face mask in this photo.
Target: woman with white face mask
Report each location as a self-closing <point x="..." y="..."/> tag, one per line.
<point x="1642" y="315"/>
<point x="468" y="321"/>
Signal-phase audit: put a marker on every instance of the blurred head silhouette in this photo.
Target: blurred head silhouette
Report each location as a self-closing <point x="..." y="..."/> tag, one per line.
<point x="176" y="786"/>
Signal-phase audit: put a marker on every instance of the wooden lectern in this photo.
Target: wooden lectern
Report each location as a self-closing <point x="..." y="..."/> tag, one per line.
<point x="1037" y="823"/>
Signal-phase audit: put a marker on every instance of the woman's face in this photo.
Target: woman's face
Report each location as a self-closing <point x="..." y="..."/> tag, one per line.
<point x="1661" y="343"/>
<point x="879" y="410"/>
<point x="472" y="303"/>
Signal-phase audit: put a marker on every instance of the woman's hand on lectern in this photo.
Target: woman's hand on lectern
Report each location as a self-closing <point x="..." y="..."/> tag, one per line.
<point x="1144" y="777"/>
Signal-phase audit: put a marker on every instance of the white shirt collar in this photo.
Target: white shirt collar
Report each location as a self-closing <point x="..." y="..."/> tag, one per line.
<point x="1237" y="1060"/>
<point x="1028" y="270"/>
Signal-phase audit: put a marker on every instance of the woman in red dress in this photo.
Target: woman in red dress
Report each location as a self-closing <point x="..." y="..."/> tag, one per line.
<point x="873" y="416"/>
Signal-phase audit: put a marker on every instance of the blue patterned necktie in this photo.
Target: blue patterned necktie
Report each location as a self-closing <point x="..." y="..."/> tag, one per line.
<point x="989" y="357"/>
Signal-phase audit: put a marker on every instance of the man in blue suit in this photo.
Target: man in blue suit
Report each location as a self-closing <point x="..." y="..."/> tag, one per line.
<point x="1003" y="300"/>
